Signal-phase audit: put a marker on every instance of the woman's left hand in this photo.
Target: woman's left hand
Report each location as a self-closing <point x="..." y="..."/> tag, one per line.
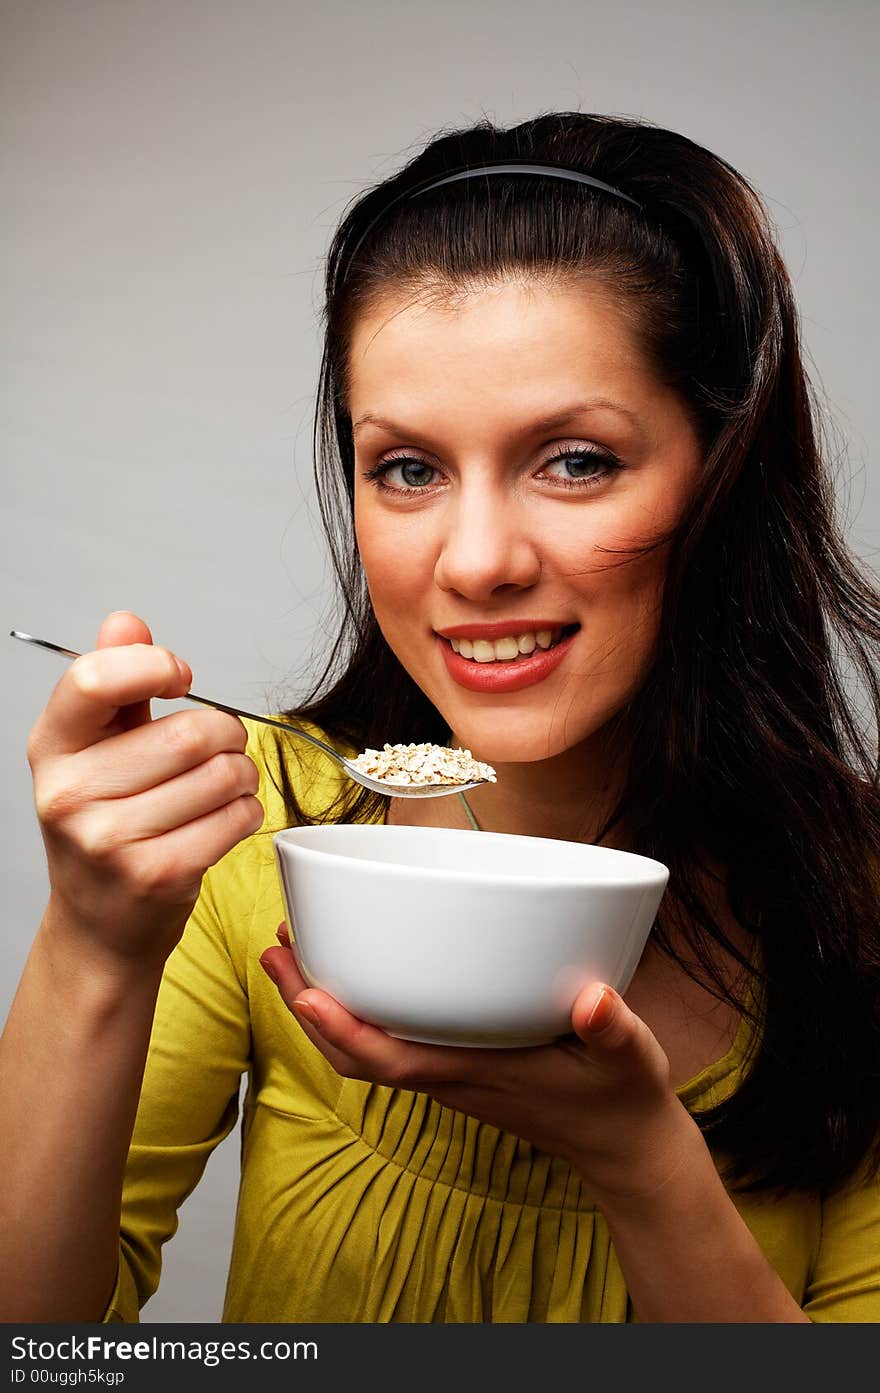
<point x="601" y="1099"/>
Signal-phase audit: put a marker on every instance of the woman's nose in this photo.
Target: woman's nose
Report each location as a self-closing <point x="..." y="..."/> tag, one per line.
<point x="485" y="548"/>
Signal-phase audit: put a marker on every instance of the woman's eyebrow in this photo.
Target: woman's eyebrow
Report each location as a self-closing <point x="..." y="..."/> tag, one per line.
<point x="540" y="423"/>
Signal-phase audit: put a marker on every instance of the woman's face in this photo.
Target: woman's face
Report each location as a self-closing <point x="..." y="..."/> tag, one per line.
<point x="500" y="445"/>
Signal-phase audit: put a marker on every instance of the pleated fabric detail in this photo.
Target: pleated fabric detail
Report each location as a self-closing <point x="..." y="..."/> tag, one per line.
<point x="398" y="1209"/>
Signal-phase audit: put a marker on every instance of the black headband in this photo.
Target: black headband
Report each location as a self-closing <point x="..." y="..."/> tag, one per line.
<point x="547" y="171"/>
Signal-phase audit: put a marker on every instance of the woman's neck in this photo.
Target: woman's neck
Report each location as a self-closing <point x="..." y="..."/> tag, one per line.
<point x="568" y="796"/>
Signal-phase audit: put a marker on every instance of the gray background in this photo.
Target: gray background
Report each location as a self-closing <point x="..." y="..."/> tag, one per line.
<point x="172" y="173"/>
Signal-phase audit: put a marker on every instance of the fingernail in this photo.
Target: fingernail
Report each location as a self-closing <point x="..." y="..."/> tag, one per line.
<point x="269" y="971"/>
<point x="308" y="1013"/>
<point x="182" y="669"/>
<point x="282" y="935"/>
<point x="602" y="1011"/>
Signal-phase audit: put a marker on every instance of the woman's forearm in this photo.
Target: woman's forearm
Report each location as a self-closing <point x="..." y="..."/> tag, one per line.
<point x="71" y="1065"/>
<point x="686" y="1253"/>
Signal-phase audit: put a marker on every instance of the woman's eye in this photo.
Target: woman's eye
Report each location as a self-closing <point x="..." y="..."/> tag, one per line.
<point x="405" y="474"/>
<point x="413" y="472"/>
<point x="580" y="468"/>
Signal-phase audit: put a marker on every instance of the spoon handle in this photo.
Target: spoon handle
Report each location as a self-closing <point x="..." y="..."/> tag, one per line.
<point x="202" y="701"/>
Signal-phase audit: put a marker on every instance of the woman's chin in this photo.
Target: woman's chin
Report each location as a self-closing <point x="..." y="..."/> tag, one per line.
<point x="502" y="747"/>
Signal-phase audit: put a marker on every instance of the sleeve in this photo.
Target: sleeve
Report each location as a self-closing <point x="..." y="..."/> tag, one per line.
<point x="200" y="1044"/>
<point x="845" y="1281"/>
<point x="199" y="1048"/>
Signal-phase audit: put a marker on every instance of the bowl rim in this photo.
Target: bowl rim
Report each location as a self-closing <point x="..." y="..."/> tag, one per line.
<point x="652" y="873"/>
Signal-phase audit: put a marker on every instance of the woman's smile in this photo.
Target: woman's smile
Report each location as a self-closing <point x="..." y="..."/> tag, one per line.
<point x="518" y="657"/>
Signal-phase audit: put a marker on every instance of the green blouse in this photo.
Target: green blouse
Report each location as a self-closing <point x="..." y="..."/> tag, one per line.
<point x="360" y="1202"/>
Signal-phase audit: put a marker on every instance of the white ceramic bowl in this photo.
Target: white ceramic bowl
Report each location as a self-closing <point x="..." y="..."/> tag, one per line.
<point x="462" y="937"/>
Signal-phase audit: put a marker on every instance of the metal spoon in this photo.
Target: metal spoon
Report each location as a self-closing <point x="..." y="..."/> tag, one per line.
<point x="377" y="785"/>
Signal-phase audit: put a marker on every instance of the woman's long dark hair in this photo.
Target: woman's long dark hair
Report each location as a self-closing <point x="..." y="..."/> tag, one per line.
<point x="746" y="749"/>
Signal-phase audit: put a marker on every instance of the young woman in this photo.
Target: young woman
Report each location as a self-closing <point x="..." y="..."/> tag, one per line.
<point x="573" y="489"/>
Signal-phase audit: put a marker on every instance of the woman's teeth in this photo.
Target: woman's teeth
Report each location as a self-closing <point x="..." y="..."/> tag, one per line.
<point x="505" y="650"/>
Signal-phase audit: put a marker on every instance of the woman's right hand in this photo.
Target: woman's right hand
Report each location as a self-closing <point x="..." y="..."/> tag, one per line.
<point x="133" y="810"/>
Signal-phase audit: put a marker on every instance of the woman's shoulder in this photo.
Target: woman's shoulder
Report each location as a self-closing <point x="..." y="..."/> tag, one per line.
<point x="287" y="765"/>
<point x="241" y="890"/>
<point x="288" y="769"/>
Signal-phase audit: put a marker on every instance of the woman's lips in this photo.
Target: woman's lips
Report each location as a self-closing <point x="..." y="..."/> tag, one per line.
<point x="501" y="677"/>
